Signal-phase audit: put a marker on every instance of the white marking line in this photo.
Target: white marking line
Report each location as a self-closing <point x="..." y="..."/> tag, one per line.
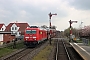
<point x="82" y="49"/>
<point x="66" y="50"/>
<point x="57" y="51"/>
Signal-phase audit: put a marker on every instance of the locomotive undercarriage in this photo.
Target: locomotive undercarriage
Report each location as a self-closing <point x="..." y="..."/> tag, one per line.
<point x="31" y="43"/>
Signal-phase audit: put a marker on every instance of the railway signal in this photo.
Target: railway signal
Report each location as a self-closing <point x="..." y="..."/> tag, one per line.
<point x="71" y="26"/>
<point x="50" y="15"/>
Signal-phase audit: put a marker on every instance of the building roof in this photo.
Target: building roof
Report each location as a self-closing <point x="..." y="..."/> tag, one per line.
<point x="1" y="25"/>
<point x="21" y="25"/>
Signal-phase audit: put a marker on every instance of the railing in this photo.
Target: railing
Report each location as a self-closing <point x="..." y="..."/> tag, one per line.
<point x="85" y="41"/>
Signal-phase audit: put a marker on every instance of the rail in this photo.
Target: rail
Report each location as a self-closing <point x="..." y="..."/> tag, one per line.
<point x="63" y="46"/>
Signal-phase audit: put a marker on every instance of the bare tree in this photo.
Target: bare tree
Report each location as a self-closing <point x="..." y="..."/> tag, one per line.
<point x="44" y="26"/>
<point x="53" y="27"/>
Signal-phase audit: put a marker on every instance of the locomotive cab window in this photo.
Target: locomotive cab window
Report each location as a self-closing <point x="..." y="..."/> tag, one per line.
<point x="30" y="31"/>
<point x="33" y="31"/>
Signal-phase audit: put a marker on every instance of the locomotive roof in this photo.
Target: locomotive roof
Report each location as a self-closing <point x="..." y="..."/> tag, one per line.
<point x="33" y="26"/>
<point x="36" y="28"/>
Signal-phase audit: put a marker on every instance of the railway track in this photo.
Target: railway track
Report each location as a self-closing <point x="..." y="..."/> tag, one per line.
<point x="61" y="51"/>
<point x="64" y="51"/>
<point x="19" y="55"/>
<point x="26" y="52"/>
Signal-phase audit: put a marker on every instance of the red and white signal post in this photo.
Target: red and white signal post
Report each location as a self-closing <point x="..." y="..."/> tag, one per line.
<point x="71" y="27"/>
<point x="50" y="15"/>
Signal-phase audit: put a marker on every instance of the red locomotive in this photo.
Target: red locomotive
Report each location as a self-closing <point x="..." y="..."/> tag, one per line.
<point x="34" y="35"/>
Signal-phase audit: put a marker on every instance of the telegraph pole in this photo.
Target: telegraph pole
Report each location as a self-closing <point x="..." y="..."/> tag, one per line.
<point x="50" y="15"/>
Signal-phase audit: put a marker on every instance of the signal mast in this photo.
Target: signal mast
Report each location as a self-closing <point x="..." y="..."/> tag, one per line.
<point x="50" y="15"/>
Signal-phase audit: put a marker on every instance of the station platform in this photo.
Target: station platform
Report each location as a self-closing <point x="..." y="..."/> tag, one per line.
<point x="82" y="49"/>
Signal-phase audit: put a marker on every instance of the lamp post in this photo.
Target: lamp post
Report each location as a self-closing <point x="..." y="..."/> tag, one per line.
<point x="50" y="15"/>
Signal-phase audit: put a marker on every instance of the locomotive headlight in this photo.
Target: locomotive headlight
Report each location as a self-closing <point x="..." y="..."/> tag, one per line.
<point x="34" y="37"/>
<point x="26" y="37"/>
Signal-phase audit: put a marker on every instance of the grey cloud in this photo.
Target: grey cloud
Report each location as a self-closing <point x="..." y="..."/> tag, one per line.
<point x="80" y="4"/>
<point x="33" y="14"/>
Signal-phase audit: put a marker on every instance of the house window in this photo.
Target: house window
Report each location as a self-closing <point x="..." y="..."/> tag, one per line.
<point x="2" y="28"/>
<point x="15" y="28"/>
<point x="12" y="28"/>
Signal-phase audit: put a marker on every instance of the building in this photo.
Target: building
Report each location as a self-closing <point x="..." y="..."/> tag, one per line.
<point x="2" y="28"/>
<point x="17" y="29"/>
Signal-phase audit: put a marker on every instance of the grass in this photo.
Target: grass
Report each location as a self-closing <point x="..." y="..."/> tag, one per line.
<point x="5" y="51"/>
<point x="79" y="41"/>
<point x="9" y="49"/>
<point x="43" y="54"/>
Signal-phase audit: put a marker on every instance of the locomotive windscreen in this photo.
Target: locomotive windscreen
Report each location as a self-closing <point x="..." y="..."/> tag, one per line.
<point x="30" y="31"/>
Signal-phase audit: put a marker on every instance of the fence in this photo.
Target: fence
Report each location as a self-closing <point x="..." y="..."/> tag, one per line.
<point x="85" y="41"/>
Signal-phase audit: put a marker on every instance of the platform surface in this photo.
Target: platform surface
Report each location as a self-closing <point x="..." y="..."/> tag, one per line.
<point x="82" y="49"/>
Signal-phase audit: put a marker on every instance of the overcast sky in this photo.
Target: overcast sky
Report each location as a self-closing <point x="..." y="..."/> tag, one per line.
<point x="35" y="12"/>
